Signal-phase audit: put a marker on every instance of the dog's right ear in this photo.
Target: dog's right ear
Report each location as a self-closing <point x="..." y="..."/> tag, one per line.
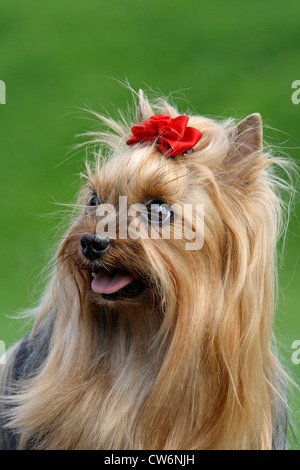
<point x="144" y="110"/>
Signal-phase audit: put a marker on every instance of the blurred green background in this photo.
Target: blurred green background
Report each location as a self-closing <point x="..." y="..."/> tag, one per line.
<point x="221" y="58"/>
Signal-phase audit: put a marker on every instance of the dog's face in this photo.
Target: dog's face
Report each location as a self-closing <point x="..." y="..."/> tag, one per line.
<point x="135" y="192"/>
<point x="153" y="207"/>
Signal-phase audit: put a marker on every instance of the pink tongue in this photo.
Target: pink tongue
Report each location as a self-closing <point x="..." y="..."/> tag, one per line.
<point x="108" y="283"/>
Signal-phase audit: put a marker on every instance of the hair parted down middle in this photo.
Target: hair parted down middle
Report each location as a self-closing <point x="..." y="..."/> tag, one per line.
<point x="190" y="363"/>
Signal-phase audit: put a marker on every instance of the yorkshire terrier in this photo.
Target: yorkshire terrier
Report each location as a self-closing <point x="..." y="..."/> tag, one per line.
<point x="155" y="331"/>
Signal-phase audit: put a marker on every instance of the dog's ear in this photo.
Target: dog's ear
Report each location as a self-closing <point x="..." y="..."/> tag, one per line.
<point x="144" y="110"/>
<point x="245" y="146"/>
<point x="247" y="136"/>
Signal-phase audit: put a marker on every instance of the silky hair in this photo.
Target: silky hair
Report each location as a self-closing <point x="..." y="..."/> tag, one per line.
<point x="194" y="366"/>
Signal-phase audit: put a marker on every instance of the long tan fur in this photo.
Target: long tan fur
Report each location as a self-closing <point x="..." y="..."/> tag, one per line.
<point x="188" y="364"/>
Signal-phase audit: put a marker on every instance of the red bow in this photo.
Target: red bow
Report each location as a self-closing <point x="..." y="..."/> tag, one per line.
<point x="172" y="135"/>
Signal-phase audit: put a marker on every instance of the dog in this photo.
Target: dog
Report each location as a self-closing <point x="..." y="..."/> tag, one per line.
<point x="148" y="338"/>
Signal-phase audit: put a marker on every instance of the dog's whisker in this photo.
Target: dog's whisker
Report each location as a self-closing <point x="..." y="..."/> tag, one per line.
<point x="58" y="261"/>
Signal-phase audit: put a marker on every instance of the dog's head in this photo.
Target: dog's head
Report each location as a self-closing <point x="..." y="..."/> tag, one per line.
<point x="157" y="229"/>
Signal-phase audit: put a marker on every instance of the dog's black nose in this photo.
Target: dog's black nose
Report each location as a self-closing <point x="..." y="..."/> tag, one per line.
<point x="93" y="247"/>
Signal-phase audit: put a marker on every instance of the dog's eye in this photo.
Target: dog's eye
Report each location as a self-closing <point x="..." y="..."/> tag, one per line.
<point x="93" y="200"/>
<point x="159" y="212"/>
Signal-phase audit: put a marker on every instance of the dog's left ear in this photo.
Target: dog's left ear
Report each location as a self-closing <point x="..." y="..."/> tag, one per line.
<point x="247" y="136"/>
<point x="245" y="146"/>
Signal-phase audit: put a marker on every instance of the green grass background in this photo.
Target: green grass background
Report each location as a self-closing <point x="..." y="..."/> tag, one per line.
<point x="227" y="58"/>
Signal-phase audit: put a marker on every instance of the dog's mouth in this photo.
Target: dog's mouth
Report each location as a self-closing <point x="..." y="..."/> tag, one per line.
<point x="116" y="284"/>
